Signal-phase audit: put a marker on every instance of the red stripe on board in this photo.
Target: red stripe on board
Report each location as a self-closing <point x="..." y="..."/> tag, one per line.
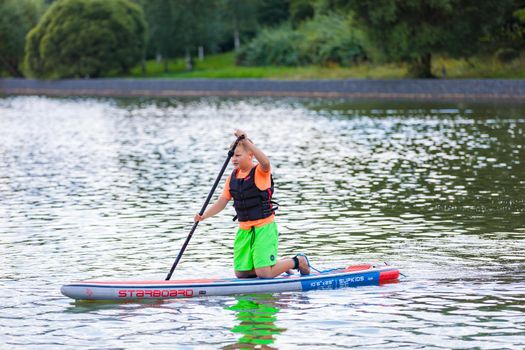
<point x="358" y="268"/>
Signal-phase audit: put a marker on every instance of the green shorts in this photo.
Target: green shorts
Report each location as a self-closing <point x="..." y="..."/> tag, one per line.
<point x="255" y="248"/>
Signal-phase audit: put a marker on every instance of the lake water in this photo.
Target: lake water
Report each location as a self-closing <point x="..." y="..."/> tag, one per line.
<point x="107" y="188"/>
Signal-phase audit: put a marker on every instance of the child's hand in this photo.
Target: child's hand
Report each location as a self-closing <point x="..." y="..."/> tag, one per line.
<point x="238" y="133"/>
<point x="198" y="217"/>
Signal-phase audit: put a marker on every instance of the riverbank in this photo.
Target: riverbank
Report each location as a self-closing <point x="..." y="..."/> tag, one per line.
<point x="395" y="89"/>
<point x="224" y="66"/>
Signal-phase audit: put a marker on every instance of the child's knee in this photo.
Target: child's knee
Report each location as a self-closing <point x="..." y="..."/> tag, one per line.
<point x="245" y="274"/>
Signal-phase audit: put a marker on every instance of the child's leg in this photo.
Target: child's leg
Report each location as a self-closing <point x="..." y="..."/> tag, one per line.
<point x="245" y="274"/>
<point x="265" y="249"/>
<point x="283" y="266"/>
<point x="279" y="268"/>
<point x="242" y="255"/>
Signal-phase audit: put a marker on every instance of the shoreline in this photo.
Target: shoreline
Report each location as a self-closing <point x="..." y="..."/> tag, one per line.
<point x="474" y="90"/>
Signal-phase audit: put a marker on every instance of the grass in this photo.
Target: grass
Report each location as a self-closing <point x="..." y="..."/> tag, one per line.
<point x="223" y="66"/>
<point x="479" y="67"/>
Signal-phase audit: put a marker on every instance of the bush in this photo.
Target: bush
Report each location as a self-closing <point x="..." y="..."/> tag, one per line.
<point x="520" y="15"/>
<point x="17" y="17"/>
<point x="272" y="47"/>
<point x="505" y="55"/>
<point x="301" y="10"/>
<point x="324" y="40"/>
<point x="330" y="39"/>
<point x="86" y="38"/>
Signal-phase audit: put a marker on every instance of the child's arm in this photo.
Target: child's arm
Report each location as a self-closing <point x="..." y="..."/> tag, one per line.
<point x="263" y="160"/>
<point x="216" y="208"/>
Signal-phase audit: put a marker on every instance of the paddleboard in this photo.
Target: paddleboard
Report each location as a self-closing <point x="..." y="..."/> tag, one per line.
<point x="351" y="276"/>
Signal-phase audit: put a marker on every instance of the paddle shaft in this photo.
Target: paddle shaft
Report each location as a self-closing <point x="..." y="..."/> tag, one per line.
<point x="196" y="223"/>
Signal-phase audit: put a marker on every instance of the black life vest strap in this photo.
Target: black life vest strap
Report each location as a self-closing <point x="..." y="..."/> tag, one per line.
<point x="273" y="209"/>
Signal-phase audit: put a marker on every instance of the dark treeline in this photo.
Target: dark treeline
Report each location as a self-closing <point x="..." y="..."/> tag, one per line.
<point x="90" y="38"/>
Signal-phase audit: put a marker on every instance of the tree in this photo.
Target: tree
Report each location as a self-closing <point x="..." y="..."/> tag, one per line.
<point x="301" y="10"/>
<point x="414" y="30"/>
<point x="86" y="38"/>
<point x="17" y="17"/>
<point x="272" y="12"/>
<point x="197" y="25"/>
<point x="160" y="16"/>
<point x="242" y="16"/>
<point x="519" y="28"/>
<point x="510" y="39"/>
<point x="179" y="27"/>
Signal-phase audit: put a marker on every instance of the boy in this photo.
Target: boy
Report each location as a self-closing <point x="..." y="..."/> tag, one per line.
<point x="250" y="187"/>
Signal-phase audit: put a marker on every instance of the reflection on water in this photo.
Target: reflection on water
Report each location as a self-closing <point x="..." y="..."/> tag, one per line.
<point x="107" y="188"/>
<point x="86" y="306"/>
<point x="257" y="315"/>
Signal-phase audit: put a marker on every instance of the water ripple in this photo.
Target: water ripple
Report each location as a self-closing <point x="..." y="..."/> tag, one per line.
<point x="107" y="188"/>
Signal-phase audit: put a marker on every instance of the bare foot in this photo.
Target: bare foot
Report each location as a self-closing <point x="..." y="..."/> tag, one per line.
<point x="304" y="268"/>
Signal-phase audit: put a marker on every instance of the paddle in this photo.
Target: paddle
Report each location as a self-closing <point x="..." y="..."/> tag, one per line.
<point x="230" y="155"/>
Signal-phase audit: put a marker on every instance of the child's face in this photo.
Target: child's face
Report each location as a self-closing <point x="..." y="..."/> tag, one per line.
<point x="242" y="159"/>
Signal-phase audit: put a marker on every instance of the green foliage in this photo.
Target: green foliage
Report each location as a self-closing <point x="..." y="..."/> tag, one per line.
<point x="508" y="36"/>
<point x="17" y="17"/>
<point x="180" y="26"/>
<point x="240" y="17"/>
<point x="86" y="38"/>
<point x="79" y="38"/>
<point x="272" y="47"/>
<point x="505" y="55"/>
<point x="330" y="39"/>
<point x="272" y="12"/>
<point x="520" y="15"/>
<point x="518" y="29"/>
<point x="413" y="30"/>
<point x="324" y="40"/>
<point x="224" y="66"/>
<point x="301" y="10"/>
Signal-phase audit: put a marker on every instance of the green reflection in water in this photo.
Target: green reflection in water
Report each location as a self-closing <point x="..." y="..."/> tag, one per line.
<point x="257" y="314"/>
